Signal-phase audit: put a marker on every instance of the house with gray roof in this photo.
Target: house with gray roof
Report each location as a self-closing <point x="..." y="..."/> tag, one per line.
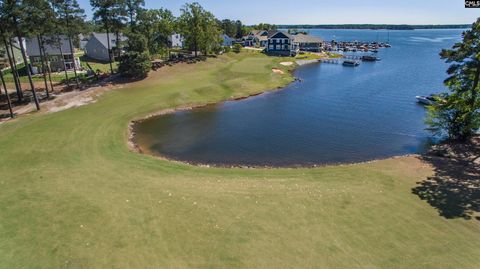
<point x="256" y="38"/>
<point x="226" y="40"/>
<point x="56" y="48"/>
<point x="306" y="42"/>
<point x="97" y="46"/>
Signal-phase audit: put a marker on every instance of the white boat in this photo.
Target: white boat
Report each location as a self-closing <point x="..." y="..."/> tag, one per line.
<point x="426" y="100"/>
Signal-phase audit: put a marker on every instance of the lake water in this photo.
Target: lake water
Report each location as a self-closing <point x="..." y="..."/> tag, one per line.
<point x="336" y="115"/>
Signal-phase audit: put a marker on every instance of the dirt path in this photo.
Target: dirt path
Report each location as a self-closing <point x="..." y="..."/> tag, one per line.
<point x="65" y="100"/>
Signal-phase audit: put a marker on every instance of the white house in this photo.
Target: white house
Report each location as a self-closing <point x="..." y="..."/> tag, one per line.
<point x="176" y="40"/>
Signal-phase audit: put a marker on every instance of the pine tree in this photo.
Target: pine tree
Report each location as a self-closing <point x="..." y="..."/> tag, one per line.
<point x="7" y="96"/>
<point x="133" y="8"/>
<point x="39" y="23"/>
<point x="5" y="37"/>
<point x="72" y="18"/>
<point x="13" y="11"/>
<point x="458" y="112"/>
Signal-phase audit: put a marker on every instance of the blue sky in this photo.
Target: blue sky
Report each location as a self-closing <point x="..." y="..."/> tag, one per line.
<point x="330" y="11"/>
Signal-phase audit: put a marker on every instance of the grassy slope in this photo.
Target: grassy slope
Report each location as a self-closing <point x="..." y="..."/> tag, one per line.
<point x="73" y="196"/>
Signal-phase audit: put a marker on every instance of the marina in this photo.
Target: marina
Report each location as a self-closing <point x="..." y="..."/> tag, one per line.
<point x="355" y="46"/>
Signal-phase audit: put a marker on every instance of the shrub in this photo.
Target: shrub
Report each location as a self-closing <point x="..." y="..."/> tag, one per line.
<point x="237" y="48"/>
<point x="134" y="64"/>
<point x="218" y="50"/>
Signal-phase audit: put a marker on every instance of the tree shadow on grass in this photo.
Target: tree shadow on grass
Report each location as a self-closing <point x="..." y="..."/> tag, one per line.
<point x="454" y="189"/>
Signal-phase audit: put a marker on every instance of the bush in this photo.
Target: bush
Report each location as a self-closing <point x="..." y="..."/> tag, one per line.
<point x="218" y="50"/>
<point x="134" y="64"/>
<point x="227" y="49"/>
<point x="237" y="48"/>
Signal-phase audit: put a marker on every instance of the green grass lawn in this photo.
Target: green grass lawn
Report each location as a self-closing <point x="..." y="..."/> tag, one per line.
<point x="72" y="194"/>
<point x="104" y="67"/>
<point x="56" y="77"/>
<point x="60" y="76"/>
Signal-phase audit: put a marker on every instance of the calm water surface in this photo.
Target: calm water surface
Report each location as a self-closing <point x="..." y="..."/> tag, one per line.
<point x="336" y="115"/>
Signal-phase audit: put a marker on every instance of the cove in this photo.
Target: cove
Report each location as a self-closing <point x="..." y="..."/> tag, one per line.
<point x="335" y="115"/>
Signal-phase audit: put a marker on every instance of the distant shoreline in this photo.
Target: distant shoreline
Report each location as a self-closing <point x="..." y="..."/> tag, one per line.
<point x="373" y="26"/>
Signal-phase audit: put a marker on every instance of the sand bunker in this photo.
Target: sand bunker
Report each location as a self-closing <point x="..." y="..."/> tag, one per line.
<point x="286" y="63"/>
<point x="277" y="71"/>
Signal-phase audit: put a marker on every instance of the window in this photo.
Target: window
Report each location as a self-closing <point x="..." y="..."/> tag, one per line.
<point x="279" y="47"/>
<point x="270" y="47"/>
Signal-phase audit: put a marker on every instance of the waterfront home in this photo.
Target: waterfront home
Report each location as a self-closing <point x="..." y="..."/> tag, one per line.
<point x="83" y="40"/>
<point x="306" y="42"/>
<point x="176" y="40"/>
<point x="97" y="46"/>
<point x="281" y="43"/>
<point x="55" y="49"/>
<point x="255" y="38"/>
<point x="226" y="40"/>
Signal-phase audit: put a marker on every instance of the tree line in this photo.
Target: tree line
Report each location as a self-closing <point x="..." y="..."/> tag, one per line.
<point x="374" y="26"/>
<point x="237" y="29"/>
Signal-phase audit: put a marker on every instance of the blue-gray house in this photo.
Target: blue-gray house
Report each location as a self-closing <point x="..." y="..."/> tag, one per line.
<point x="97" y="46"/>
<point x="226" y="40"/>
<point x="281" y="43"/>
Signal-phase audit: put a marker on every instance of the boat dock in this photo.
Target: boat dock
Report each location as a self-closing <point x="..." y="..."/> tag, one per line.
<point x="350" y="59"/>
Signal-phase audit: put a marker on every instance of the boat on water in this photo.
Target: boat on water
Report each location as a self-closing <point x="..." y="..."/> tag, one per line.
<point x="426" y="100"/>
<point x="370" y="58"/>
<point x="351" y="63"/>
